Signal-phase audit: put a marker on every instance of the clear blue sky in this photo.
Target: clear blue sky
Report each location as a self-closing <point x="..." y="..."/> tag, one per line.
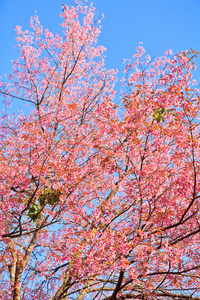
<point x="159" y="24"/>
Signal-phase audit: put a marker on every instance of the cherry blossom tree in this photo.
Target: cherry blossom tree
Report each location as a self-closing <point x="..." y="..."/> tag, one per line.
<point x="98" y="201"/>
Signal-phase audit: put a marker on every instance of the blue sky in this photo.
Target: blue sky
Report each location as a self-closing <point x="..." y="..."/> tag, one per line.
<point x="159" y="24"/>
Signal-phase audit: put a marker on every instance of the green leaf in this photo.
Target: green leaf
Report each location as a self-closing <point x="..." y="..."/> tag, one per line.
<point x="49" y="196"/>
<point x="54" y="198"/>
<point x="42" y="199"/>
<point x="34" y="212"/>
<point x="159" y="114"/>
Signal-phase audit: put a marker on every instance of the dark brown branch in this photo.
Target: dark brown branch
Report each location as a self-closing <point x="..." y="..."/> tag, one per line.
<point x="117" y="289"/>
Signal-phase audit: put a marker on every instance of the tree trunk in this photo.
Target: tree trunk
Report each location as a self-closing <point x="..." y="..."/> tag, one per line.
<point x="17" y="280"/>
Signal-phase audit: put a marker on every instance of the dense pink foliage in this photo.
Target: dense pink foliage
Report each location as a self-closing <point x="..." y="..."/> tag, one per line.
<point x="98" y="202"/>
